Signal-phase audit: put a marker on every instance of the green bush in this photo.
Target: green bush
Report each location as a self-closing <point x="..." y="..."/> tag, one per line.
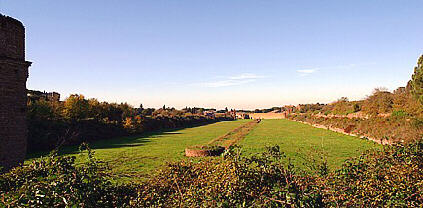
<point x="392" y="177"/>
<point x="56" y="181"/>
<point x="231" y="181"/>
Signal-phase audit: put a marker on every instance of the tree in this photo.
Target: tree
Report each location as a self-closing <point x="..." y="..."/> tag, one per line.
<point x="148" y="111"/>
<point x="41" y="109"/>
<point x="76" y="107"/>
<point x="95" y="109"/>
<point x="127" y="110"/>
<point x="417" y="81"/>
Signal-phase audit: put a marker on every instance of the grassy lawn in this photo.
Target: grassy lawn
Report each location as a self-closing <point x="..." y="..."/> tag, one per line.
<point x="135" y="157"/>
<point x="299" y="141"/>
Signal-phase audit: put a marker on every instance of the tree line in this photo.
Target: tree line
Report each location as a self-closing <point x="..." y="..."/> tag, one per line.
<point x="77" y="119"/>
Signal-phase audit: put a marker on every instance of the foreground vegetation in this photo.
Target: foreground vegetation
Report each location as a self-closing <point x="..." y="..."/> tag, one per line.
<point x="392" y="177"/>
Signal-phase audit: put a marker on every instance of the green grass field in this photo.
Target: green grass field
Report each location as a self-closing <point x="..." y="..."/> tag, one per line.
<point x="135" y="157"/>
<point x="299" y="141"/>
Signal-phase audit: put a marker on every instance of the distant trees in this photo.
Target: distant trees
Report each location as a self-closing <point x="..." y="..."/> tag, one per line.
<point x="78" y="119"/>
<point x="303" y="108"/>
<point x="127" y="110"/>
<point x="76" y="107"/>
<point x="416" y="83"/>
<point x="43" y="109"/>
<point x="200" y="111"/>
<point x="96" y="110"/>
<point x="147" y="111"/>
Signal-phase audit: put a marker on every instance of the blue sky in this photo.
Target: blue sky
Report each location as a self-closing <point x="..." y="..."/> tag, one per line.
<point x="239" y="54"/>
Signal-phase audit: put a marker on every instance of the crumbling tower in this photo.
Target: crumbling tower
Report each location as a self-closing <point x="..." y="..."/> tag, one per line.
<point x="13" y="76"/>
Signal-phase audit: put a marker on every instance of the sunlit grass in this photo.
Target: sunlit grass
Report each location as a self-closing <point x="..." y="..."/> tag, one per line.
<point x="299" y="141"/>
<point x="133" y="158"/>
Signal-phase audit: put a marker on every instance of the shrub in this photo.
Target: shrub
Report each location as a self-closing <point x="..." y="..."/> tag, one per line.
<point x="381" y="101"/>
<point x="391" y="177"/>
<point x="56" y="181"/>
<point x="231" y="181"/>
<point x="342" y="106"/>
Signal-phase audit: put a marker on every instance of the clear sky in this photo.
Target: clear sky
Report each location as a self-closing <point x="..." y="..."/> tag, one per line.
<point x="239" y="54"/>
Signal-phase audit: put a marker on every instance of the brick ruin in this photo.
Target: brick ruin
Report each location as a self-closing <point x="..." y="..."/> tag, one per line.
<point x="13" y="76"/>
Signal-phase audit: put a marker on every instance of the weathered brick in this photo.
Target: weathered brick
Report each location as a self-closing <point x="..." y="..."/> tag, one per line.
<point x="13" y="76"/>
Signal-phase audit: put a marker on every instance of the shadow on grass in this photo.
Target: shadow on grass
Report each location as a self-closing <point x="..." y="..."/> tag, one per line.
<point x="128" y="141"/>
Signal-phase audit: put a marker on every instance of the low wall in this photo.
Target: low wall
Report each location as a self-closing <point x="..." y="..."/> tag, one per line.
<point x="267" y="115"/>
<point x="346" y="132"/>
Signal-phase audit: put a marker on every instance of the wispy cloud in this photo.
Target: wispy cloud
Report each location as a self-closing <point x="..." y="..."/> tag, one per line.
<point x="246" y="76"/>
<point x="234" y="80"/>
<point x="306" y="72"/>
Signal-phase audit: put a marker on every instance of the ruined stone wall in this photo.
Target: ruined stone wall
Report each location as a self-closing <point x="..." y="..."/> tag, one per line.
<point x="13" y="76"/>
<point x="267" y="115"/>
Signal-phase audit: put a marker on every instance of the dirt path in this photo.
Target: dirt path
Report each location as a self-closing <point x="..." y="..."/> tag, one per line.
<point x="234" y="136"/>
<point x="218" y="145"/>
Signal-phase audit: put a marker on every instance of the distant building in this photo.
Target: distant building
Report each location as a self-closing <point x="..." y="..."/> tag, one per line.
<point x="210" y="113"/>
<point x="242" y="115"/>
<point x="34" y="95"/>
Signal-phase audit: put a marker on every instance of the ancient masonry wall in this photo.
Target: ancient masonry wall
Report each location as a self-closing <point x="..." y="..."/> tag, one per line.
<point x="13" y="76"/>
